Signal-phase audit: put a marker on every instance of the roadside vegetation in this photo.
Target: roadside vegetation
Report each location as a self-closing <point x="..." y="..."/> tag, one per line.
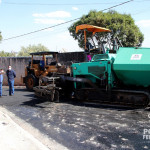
<point x="122" y="25"/>
<point x="25" y="51"/>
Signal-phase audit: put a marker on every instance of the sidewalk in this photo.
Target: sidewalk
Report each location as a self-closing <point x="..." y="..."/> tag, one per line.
<point x="13" y="137"/>
<point x="22" y="136"/>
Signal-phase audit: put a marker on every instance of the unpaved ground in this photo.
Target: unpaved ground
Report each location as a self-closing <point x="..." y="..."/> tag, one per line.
<point x="79" y="126"/>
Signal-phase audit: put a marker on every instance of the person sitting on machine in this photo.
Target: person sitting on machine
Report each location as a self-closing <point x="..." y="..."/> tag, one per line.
<point x="87" y="50"/>
<point x="42" y="64"/>
<point x="89" y="46"/>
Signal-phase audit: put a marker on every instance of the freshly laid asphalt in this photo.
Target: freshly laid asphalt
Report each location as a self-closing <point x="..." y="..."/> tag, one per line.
<point x="81" y="126"/>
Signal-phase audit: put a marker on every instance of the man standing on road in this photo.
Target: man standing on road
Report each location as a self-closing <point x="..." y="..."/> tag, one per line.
<point x="11" y="75"/>
<point x="1" y="81"/>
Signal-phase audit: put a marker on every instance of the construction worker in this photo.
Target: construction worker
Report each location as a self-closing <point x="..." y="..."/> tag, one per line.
<point x="87" y="51"/>
<point x="42" y="63"/>
<point x="11" y="75"/>
<point x="1" y="81"/>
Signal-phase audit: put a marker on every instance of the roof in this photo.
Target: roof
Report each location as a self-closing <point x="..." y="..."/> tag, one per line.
<point x="91" y="28"/>
<point x="44" y="53"/>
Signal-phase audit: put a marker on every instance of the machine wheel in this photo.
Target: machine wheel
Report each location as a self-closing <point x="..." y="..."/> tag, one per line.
<point x="30" y="82"/>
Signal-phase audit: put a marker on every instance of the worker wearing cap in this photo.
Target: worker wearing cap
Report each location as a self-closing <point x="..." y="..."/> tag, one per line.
<point x="11" y="75"/>
<point x="1" y="81"/>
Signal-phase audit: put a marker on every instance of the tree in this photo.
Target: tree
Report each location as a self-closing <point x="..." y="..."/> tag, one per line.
<point x="7" y="54"/>
<point x="0" y="36"/>
<point x="122" y="25"/>
<point x="25" y="51"/>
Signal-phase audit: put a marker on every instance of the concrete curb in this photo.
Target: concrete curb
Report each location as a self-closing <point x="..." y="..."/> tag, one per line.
<point x="39" y="139"/>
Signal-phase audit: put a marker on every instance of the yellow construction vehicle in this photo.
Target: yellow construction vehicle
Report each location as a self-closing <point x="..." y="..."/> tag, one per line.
<point x="40" y="67"/>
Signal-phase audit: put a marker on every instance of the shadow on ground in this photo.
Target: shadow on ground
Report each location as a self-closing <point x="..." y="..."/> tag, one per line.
<point x="42" y="103"/>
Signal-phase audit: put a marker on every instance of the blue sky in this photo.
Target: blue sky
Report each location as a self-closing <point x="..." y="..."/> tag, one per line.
<point x="19" y="17"/>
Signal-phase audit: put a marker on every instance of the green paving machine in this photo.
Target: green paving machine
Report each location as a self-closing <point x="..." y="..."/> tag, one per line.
<point x="116" y="75"/>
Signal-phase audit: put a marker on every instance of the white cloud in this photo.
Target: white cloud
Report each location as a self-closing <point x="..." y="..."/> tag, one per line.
<point x="74" y="8"/>
<point x="56" y="14"/>
<point x="143" y="23"/>
<point x="0" y="1"/>
<point x="48" y="21"/>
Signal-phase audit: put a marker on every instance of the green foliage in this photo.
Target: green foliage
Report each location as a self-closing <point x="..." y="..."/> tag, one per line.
<point x="121" y="25"/>
<point x="0" y="36"/>
<point x="25" y="51"/>
<point x="7" y="54"/>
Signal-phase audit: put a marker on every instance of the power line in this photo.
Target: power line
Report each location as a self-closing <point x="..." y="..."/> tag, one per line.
<point x="54" y="4"/>
<point x="118" y="5"/>
<point x="64" y="4"/>
<point x="60" y="23"/>
<point x="41" y="29"/>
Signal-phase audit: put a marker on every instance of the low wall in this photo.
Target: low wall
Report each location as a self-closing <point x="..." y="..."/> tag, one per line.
<point x="19" y="63"/>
